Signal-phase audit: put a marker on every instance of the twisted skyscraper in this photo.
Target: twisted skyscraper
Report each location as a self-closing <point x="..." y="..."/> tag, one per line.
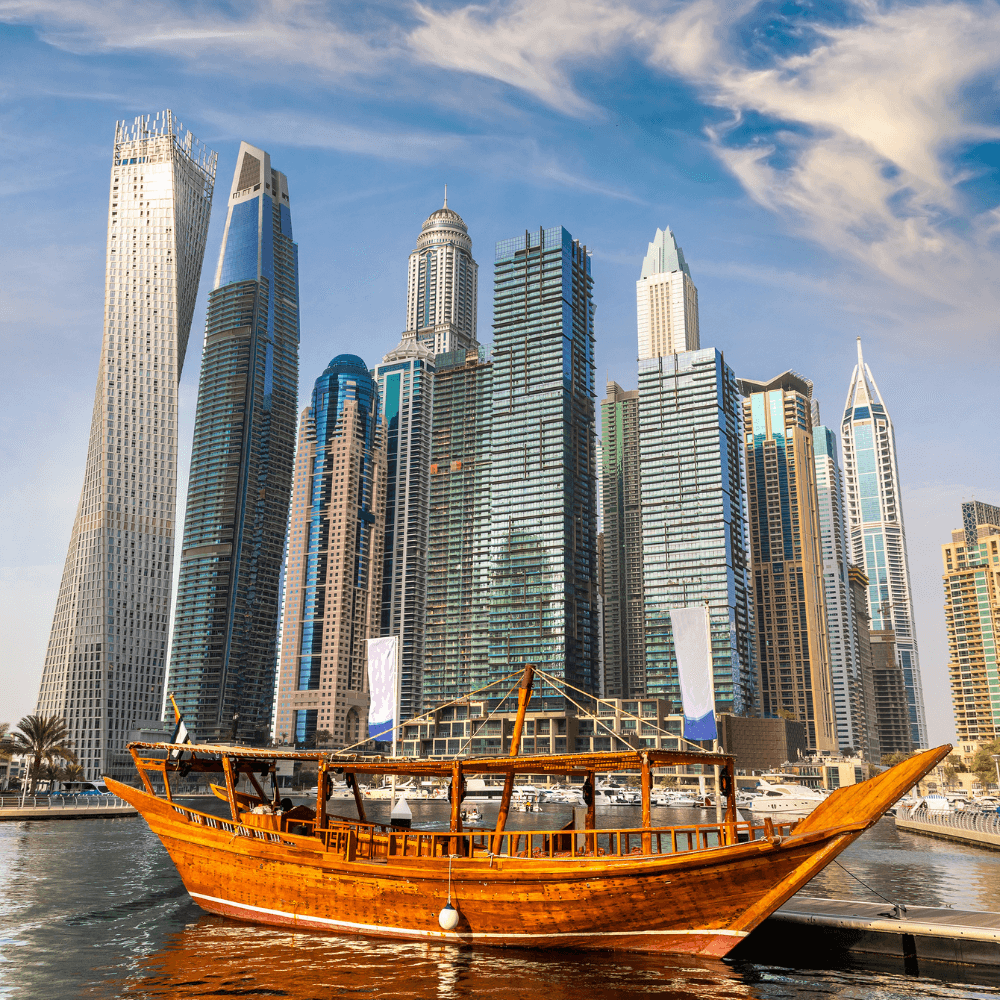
<point x="104" y="664"/>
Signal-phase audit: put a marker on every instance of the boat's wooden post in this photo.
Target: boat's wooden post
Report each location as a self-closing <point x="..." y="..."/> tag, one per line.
<point x="276" y="801"/>
<point x="256" y="785"/>
<point x="166" y="783"/>
<point x="142" y="772"/>
<point x="357" y="797"/>
<point x="456" y="804"/>
<point x="227" y="769"/>
<point x="321" y="796"/>
<point x="731" y="803"/>
<point x="647" y="785"/>
<point x="523" y="697"/>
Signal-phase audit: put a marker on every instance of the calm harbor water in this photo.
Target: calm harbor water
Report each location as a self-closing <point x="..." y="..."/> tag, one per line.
<point x="94" y="908"/>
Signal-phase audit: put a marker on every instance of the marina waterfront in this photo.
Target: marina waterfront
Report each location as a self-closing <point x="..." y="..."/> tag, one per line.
<point x="95" y="908"/>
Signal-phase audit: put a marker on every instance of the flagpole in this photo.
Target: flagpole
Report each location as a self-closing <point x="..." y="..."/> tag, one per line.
<point x="711" y="685"/>
<point x="395" y="724"/>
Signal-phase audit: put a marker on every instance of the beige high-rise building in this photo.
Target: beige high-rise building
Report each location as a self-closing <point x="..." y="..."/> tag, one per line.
<point x="666" y="300"/>
<point x="793" y="646"/>
<point x="972" y="614"/>
<point x="333" y="569"/>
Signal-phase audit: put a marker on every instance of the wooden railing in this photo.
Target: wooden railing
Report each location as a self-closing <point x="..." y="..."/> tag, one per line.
<point x="377" y="842"/>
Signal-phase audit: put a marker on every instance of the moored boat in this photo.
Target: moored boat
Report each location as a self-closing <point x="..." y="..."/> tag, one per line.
<point x="696" y="888"/>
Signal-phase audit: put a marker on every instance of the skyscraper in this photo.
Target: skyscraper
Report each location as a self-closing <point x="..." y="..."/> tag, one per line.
<point x="972" y="614"/>
<point x="456" y="649"/>
<point x="226" y="622"/>
<point x="621" y="506"/>
<point x="786" y="556"/>
<point x="666" y="300"/>
<point x="334" y="564"/>
<point x="406" y="393"/>
<point x="105" y="659"/>
<point x="543" y="534"/>
<point x="694" y="545"/>
<point x="875" y="522"/>
<point x="442" y="293"/>
<point x="849" y="702"/>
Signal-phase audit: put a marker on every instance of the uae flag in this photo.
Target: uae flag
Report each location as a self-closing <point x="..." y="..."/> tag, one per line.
<point x="181" y="734"/>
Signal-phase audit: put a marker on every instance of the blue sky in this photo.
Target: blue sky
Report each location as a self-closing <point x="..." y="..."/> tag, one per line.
<point x="831" y="170"/>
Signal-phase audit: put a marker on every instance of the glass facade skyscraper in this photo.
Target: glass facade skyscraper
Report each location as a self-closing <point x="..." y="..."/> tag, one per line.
<point x="334" y="565"/>
<point x="543" y="531"/>
<point x="226" y="621"/>
<point x="624" y="638"/>
<point x="456" y="650"/>
<point x="406" y="393"/>
<point x="694" y="546"/>
<point x="104" y="663"/>
<point x="786" y="556"/>
<point x="854" y="712"/>
<point x="875" y="522"/>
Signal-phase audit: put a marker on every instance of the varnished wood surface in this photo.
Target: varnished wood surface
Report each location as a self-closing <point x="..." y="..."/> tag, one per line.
<point x="699" y="901"/>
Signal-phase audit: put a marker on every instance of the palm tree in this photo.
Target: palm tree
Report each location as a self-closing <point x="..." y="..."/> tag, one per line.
<point x="42" y="738"/>
<point x="73" y="772"/>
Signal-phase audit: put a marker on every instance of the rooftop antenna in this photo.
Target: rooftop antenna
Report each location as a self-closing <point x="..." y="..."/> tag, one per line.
<point x="446" y="196"/>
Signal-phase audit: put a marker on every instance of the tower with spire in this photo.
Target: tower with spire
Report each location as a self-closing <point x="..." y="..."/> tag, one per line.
<point x="441" y="297"/>
<point x="875" y="524"/>
<point x="666" y="300"/>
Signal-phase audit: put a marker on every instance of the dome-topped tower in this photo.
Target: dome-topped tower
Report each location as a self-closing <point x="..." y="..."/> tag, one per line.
<point x="442" y="295"/>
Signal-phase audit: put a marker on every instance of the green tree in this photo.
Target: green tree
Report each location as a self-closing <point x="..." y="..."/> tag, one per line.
<point x="955" y="761"/>
<point x="6" y="742"/>
<point x="892" y="759"/>
<point x="42" y="738"/>
<point x="73" y="772"/>
<point x="949" y="775"/>
<point x="982" y="763"/>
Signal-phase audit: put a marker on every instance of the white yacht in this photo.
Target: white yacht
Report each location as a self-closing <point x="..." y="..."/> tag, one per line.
<point x="784" y="799"/>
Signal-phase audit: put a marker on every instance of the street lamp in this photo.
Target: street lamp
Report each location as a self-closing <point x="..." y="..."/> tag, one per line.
<point x="996" y="763"/>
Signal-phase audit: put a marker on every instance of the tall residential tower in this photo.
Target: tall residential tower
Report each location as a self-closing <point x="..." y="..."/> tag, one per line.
<point x="334" y="567"/>
<point x="787" y="557"/>
<point x="666" y="300"/>
<point x="226" y="623"/>
<point x="543" y="477"/>
<point x="104" y="664"/>
<point x="875" y="522"/>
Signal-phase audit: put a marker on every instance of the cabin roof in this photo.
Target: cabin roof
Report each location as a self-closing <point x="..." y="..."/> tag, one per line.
<point x="574" y="763"/>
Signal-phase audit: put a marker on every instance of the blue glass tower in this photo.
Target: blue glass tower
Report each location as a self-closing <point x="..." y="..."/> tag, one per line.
<point x="334" y="564"/>
<point x="226" y="620"/>
<point x="543" y="476"/>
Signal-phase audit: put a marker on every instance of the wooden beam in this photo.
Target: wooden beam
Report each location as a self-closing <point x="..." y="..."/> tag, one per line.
<point x="456" y="805"/>
<point x="321" y="778"/>
<point x="227" y="767"/>
<point x="647" y="784"/>
<point x="357" y="797"/>
<point x="523" y="697"/>
<point x="142" y="771"/>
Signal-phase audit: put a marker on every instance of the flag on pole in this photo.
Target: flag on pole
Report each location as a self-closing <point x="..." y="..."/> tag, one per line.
<point x="181" y="734"/>
<point x="382" y="693"/>
<point x="693" y="649"/>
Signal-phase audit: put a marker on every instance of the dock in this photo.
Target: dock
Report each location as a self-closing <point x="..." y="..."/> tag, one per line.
<point x="840" y="928"/>
<point x="83" y="807"/>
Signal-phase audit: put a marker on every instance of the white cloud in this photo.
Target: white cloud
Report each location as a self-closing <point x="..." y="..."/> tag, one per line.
<point x="865" y="125"/>
<point x="254" y="35"/>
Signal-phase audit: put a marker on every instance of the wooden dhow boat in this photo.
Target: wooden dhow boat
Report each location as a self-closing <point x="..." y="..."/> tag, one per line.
<point x="689" y="889"/>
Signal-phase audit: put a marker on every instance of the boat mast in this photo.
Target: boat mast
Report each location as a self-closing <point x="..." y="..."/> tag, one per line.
<point x="523" y="697"/>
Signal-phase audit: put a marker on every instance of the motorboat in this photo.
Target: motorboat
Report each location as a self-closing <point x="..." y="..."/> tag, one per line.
<point x="785" y="799"/>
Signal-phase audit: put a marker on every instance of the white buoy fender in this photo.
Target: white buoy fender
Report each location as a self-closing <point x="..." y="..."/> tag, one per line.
<point x="448" y="918"/>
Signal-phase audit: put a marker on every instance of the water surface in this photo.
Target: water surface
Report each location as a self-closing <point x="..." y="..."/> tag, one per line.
<point x="95" y="908"/>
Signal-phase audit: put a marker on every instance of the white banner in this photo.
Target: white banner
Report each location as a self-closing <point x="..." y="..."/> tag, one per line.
<point x="693" y="650"/>
<point x="382" y="658"/>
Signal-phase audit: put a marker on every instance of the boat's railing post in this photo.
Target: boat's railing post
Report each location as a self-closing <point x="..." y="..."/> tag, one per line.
<point x="321" y="795"/>
<point x="647" y="787"/>
<point x="456" y="805"/>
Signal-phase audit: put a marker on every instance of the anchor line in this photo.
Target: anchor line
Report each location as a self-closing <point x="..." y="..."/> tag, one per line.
<point x="865" y="884"/>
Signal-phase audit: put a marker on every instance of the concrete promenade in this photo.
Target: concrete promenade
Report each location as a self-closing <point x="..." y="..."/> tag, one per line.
<point x="978" y="830"/>
<point x="74" y="807"/>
